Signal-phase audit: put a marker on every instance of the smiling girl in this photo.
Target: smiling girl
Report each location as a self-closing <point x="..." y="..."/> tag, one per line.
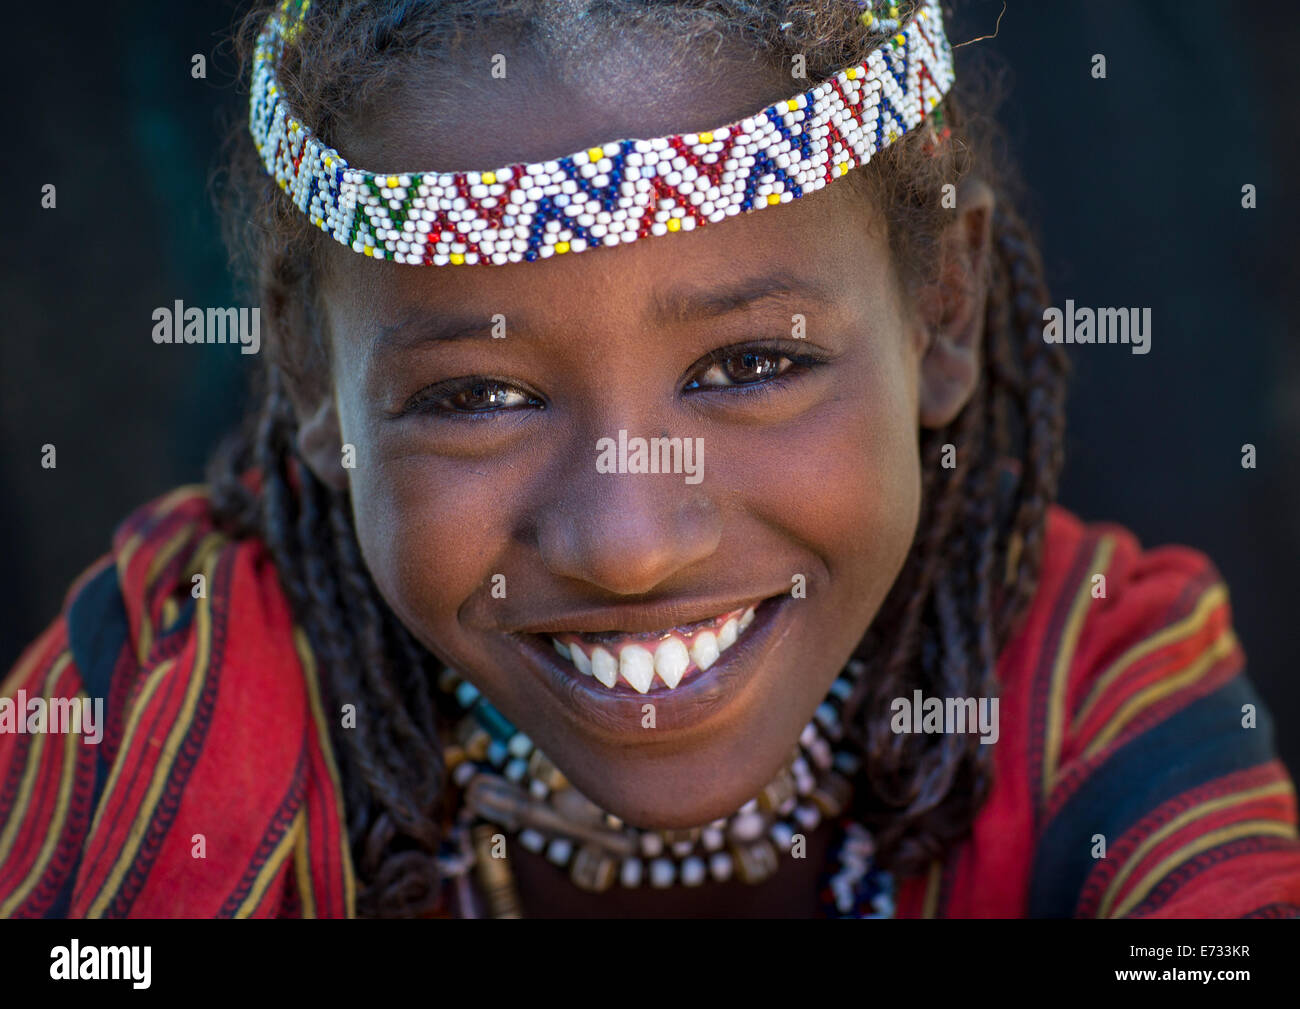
<point x="425" y="646"/>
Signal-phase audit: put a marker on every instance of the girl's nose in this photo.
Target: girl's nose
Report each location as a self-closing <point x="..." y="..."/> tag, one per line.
<point x="626" y="532"/>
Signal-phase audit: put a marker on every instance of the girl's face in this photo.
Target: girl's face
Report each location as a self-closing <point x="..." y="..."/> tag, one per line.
<point x="483" y="499"/>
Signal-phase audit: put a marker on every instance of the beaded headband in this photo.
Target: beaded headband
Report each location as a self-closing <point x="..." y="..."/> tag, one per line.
<point x="606" y="195"/>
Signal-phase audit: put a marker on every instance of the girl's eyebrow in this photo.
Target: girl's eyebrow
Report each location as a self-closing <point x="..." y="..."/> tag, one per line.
<point x="689" y="305"/>
<point x="420" y="328"/>
<point x="685" y="305"/>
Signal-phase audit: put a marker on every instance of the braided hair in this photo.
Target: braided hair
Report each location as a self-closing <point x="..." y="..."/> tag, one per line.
<point x="971" y="571"/>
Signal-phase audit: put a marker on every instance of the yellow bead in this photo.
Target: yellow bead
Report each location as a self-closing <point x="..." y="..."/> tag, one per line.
<point x="867" y="19"/>
<point x="369" y="250"/>
<point x="489" y="178"/>
<point x="900" y="39"/>
<point x="594" y="154"/>
<point x="792" y="105"/>
<point x="561" y="247"/>
<point x="392" y="182"/>
<point x="457" y="258"/>
<point x="706" y="138"/>
<point x="674" y="224"/>
<point x="774" y="198"/>
<point x="851" y="73"/>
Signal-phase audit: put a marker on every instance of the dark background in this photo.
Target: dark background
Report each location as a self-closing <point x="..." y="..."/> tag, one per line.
<point x="1134" y="183"/>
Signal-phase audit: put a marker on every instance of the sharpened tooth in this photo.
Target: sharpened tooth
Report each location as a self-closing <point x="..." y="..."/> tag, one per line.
<point x="579" y="658"/>
<point x="704" y="650"/>
<point x="637" y="666"/>
<point x="746" y="619"/>
<point x="671" y="660"/>
<point x="561" y="647"/>
<point x="604" y="667"/>
<point x="727" y="636"/>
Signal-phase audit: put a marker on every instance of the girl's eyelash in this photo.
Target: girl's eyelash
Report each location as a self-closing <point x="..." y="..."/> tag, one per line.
<point x="426" y="400"/>
<point x="801" y="360"/>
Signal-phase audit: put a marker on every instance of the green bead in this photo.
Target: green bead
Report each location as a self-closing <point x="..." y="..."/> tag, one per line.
<point x="495" y="722"/>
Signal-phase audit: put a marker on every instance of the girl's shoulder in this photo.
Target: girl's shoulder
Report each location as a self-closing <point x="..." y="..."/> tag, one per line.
<point x="199" y="743"/>
<point x="1135" y="771"/>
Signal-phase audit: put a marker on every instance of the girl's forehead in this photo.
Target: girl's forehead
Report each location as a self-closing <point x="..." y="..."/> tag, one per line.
<point x="824" y="256"/>
<point x="489" y="106"/>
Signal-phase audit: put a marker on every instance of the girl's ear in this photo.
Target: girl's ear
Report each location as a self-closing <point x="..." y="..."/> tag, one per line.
<point x="320" y="443"/>
<point x="952" y="308"/>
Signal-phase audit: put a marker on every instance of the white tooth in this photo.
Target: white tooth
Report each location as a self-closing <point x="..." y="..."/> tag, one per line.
<point x="561" y="647"/>
<point x="604" y="667"/>
<point x="727" y="636"/>
<point x="704" y="650"/>
<point x="637" y="666"/>
<point x="671" y="660"/>
<point x="579" y="659"/>
<point x="746" y="618"/>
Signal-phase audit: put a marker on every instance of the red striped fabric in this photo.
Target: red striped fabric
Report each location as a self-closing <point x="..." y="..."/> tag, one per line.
<point x="214" y="789"/>
<point x="1125" y="723"/>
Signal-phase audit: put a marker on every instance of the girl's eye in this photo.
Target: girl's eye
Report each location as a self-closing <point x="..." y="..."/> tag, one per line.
<point x="479" y="395"/>
<point x="746" y="367"/>
<point x="486" y="395"/>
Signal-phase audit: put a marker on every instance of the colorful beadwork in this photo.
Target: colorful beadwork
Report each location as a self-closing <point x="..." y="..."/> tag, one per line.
<point x="550" y="818"/>
<point x="608" y="195"/>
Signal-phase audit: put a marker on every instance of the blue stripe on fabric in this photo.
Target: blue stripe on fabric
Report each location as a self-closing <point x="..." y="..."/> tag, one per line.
<point x="97" y="633"/>
<point x="1201" y="742"/>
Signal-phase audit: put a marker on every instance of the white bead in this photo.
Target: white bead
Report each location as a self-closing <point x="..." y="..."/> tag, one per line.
<point x="661" y="873"/>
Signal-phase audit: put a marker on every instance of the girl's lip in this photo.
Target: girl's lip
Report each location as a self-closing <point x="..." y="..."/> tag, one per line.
<point x="619" y="715"/>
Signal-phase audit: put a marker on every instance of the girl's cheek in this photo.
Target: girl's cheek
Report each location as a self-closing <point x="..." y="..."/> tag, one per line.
<point x="846" y="479"/>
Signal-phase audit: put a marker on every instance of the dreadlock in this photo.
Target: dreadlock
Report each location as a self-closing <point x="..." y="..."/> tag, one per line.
<point x="972" y="569"/>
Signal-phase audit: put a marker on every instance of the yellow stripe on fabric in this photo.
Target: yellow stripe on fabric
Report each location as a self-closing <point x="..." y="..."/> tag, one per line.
<point x="161" y="509"/>
<point x="274" y="863"/>
<point x="308" y="660"/>
<point x="302" y="867"/>
<point x="33" y="764"/>
<point x="1177" y="823"/>
<point x="1188" y="627"/>
<point x="933" y="884"/>
<point x="128" y="733"/>
<point x="55" y="828"/>
<point x="1248" y="828"/>
<point x="160" y="560"/>
<point x="127" y="553"/>
<point x="1065" y="658"/>
<point x="162" y="768"/>
<point x="1161" y="689"/>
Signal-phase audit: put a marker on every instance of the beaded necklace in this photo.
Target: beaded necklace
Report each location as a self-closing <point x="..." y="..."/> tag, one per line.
<point x="508" y="786"/>
<point x="616" y="192"/>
